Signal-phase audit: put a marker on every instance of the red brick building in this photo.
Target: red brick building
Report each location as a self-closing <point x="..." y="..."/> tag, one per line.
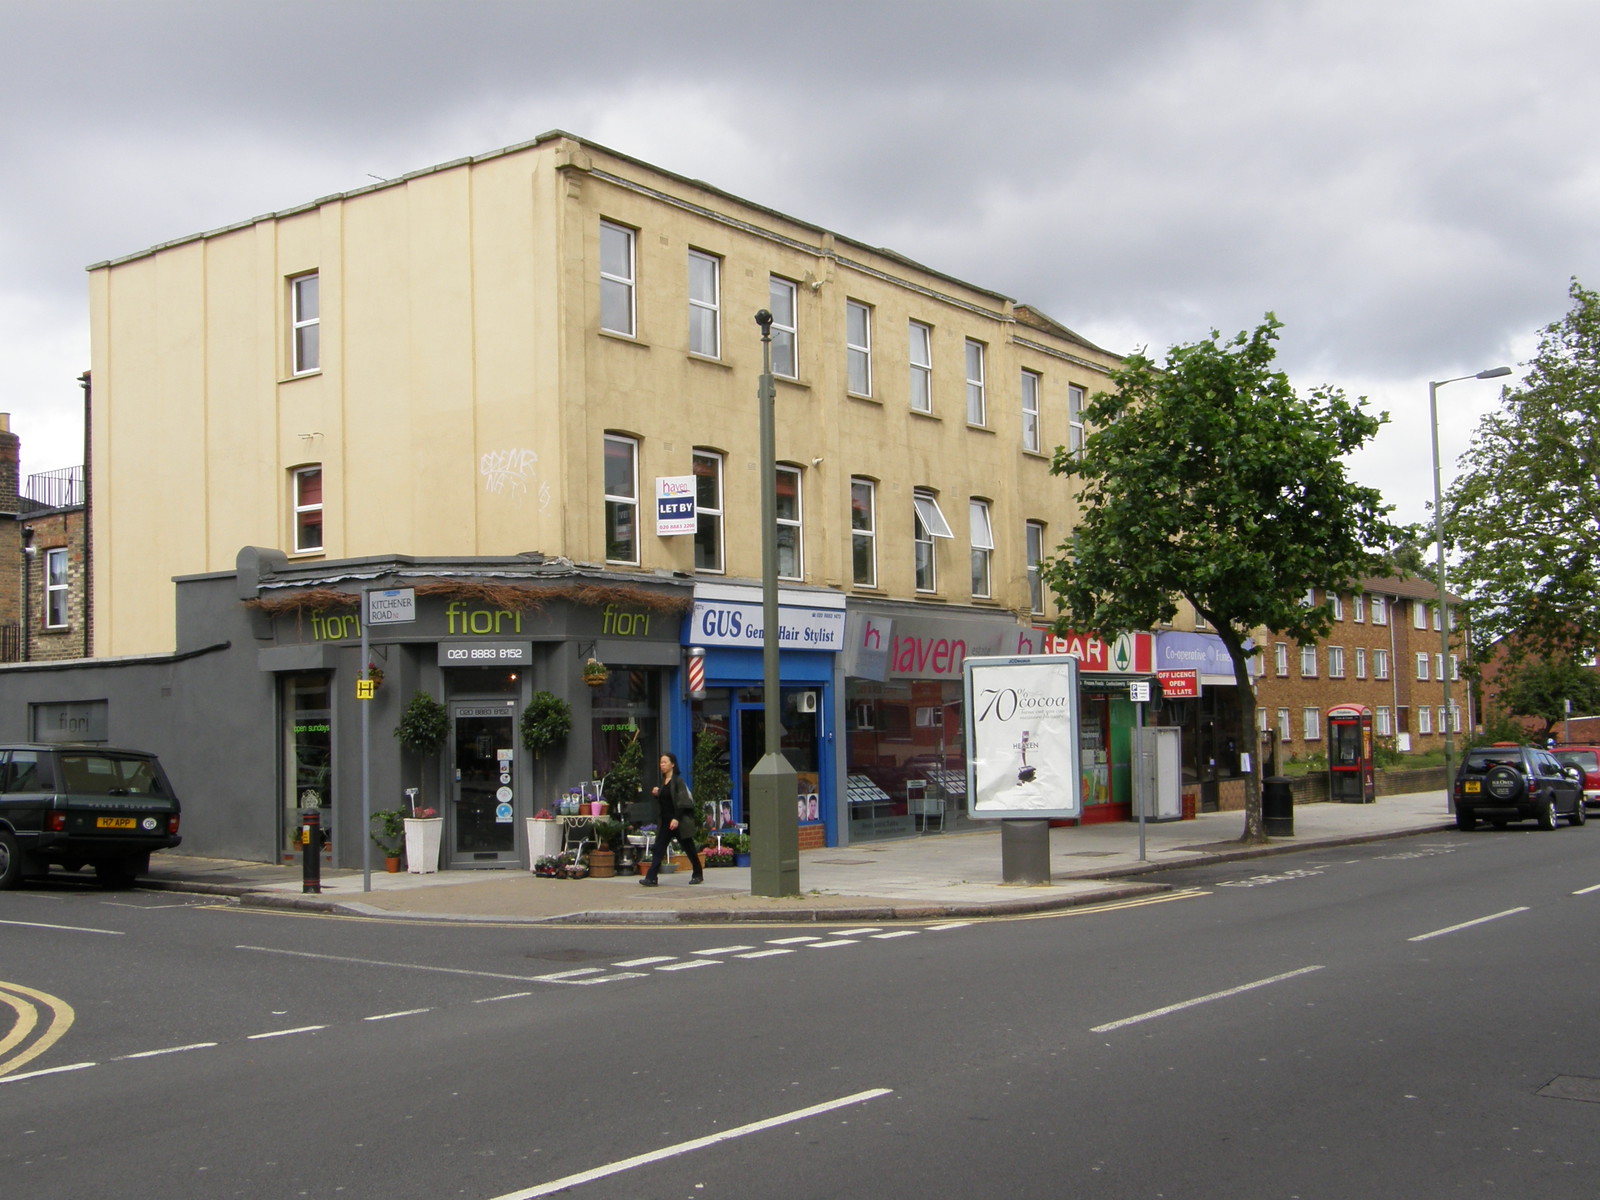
<point x="44" y="593"/>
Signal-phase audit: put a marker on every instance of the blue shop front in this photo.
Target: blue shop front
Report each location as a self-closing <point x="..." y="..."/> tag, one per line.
<point x="723" y="634"/>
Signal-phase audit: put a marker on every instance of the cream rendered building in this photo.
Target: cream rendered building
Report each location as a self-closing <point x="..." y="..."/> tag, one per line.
<point x="465" y="347"/>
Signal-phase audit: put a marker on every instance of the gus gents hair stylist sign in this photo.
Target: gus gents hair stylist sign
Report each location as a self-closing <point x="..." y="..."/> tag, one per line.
<point x="1022" y="736"/>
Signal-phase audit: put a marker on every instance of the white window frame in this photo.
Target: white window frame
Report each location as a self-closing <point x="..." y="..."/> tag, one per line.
<point x="1280" y="657"/>
<point x="1419" y="615"/>
<point x="1285" y="725"/>
<point x="305" y="340"/>
<point x="708" y="510"/>
<point x="864" y="531"/>
<point x="1380" y="664"/>
<point x="1032" y="386"/>
<point x="1380" y="611"/>
<point x="982" y="543"/>
<point x="1033" y="541"/>
<point x="57" y="584"/>
<point x="794" y="522"/>
<point x="858" y="348"/>
<point x="1455" y="669"/>
<point x="618" y="502"/>
<point x="1309" y="600"/>
<point x="1308" y="661"/>
<point x="977" y="396"/>
<point x="783" y="299"/>
<point x="302" y="509"/>
<point x="928" y="525"/>
<point x="1335" y="662"/>
<point x="1361" y="662"/>
<point x="1076" y="397"/>
<point x="1358" y="608"/>
<point x="1381" y="723"/>
<point x="616" y="282"/>
<point x="921" y="343"/>
<point x="1424" y="719"/>
<point x="1337" y="605"/>
<point x="1438" y="666"/>
<point x="1455" y="717"/>
<point x="1422" y="666"/>
<point x="705" y="304"/>
<point x="1311" y="724"/>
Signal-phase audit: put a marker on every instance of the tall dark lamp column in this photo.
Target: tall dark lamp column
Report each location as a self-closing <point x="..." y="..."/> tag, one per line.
<point x="774" y="821"/>
<point x="1444" y="610"/>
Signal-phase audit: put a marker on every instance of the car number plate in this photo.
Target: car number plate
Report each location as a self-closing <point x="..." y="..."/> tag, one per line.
<point x="116" y="823"/>
<point x="1472" y="787"/>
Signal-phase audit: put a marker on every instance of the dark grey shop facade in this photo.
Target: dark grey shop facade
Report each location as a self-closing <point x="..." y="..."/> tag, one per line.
<point x="257" y="711"/>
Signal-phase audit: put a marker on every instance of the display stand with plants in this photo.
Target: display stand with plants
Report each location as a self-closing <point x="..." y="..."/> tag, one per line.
<point x="423" y="729"/>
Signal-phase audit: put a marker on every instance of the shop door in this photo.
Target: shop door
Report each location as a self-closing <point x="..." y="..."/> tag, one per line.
<point x="799" y="745"/>
<point x="482" y="828"/>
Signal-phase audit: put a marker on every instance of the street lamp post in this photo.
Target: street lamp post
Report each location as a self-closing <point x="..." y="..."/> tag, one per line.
<point x="1444" y="611"/>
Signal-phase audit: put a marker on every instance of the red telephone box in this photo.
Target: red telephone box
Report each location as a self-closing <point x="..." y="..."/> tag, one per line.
<point x="1352" y="774"/>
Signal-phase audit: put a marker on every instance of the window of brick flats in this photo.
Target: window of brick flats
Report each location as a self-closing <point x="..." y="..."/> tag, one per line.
<point x="307" y="484"/>
<point x="55" y="588"/>
<point x="1380" y="721"/>
<point x="1308" y="662"/>
<point x="1422" y="666"/>
<point x="1311" y="721"/>
<point x="1280" y="659"/>
<point x="1285" y="725"/>
<point x="1358" y="608"/>
<point x="1361" y="662"/>
<point x="1380" y="664"/>
<point x="1335" y="662"/>
<point x="1380" y="611"/>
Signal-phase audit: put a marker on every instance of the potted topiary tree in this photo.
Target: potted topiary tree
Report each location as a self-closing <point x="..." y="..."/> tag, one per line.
<point x="624" y="783"/>
<point x="423" y="729"/>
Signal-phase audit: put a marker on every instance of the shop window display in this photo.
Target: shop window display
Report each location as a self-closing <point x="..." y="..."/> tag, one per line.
<point x="903" y="738"/>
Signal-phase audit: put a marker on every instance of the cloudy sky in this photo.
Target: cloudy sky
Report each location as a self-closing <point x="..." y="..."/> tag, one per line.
<point x="1408" y="184"/>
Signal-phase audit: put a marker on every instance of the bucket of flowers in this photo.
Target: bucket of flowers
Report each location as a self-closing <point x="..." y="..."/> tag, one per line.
<point x="717" y="856"/>
<point x="547" y="866"/>
<point x="574" y="867"/>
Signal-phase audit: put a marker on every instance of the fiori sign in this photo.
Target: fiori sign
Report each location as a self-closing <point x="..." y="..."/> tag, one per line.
<point x="1022" y="736"/>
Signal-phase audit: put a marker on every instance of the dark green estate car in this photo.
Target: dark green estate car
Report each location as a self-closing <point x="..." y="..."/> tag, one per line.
<point x="73" y="806"/>
<point x="1506" y="782"/>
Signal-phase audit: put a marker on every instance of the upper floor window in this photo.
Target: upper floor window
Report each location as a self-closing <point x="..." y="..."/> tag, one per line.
<point x="616" y="279"/>
<point x="921" y="367"/>
<point x="781" y="295"/>
<point x="928" y="523"/>
<point x="55" y="588"/>
<point x="1035" y="551"/>
<point x="864" y="532"/>
<point x="1075" y="433"/>
<point x="707" y="511"/>
<point x="705" y="304"/>
<point x="977" y="403"/>
<point x="1361" y="662"/>
<point x="1419" y="615"/>
<point x="1358" y="608"/>
<point x="1312" y="724"/>
<point x="1308" y="662"/>
<point x="307" y="514"/>
<point x="1309" y="600"/>
<point x="1285" y="728"/>
<point x="1380" y="611"/>
<point x="1335" y="662"/>
<point x="1380" y="664"/>
<point x="791" y="546"/>
<point x="1422" y="665"/>
<point x="1030" y="411"/>
<point x="982" y="548"/>
<point x="305" y="315"/>
<point x="858" y="347"/>
<point x="1280" y="656"/>
<point x="622" y="499"/>
<point x="1337" y="605"/>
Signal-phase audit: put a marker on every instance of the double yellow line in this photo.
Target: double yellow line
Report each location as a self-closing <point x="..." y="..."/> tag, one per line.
<point x="26" y="1039"/>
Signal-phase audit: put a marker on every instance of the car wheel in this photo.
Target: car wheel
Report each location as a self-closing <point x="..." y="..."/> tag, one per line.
<point x="1547" y="814"/>
<point x="1465" y="821"/>
<point x="10" y="862"/>
<point x="115" y="873"/>
<point x="1580" y="814"/>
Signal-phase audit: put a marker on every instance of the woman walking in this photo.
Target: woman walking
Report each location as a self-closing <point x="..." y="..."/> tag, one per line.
<point x="674" y="820"/>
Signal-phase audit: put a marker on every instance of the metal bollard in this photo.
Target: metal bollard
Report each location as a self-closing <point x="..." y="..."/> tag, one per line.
<point x="311" y="846"/>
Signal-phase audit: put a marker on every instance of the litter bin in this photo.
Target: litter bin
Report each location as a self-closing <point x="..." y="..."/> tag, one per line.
<point x="1277" y="807"/>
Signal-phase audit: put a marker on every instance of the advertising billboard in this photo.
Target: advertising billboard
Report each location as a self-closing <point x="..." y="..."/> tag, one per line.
<point x="1022" y="737"/>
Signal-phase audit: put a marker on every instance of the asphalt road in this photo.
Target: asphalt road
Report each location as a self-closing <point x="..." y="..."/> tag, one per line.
<point x="1412" y="1018"/>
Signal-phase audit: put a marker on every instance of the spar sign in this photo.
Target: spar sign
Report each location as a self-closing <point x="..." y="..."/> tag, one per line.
<point x="1022" y="736"/>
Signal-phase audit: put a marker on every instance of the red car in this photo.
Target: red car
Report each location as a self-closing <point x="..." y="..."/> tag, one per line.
<point x="1588" y="758"/>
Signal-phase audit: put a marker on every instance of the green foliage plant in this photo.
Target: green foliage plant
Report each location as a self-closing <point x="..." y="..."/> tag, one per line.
<point x="1209" y="480"/>
<point x="625" y="780"/>
<point x="545" y="723"/>
<point x="424" y="725"/>
<point x="1544" y="688"/>
<point x="709" y="777"/>
<point x="389" y="831"/>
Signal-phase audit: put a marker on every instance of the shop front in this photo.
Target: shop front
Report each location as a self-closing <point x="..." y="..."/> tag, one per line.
<point x="1215" y="752"/>
<point x="723" y="634"/>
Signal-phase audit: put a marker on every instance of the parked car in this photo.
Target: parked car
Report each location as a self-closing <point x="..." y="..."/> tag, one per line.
<point x="1587" y="759"/>
<point x="1507" y="782"/>
<point x="72" y="806"/>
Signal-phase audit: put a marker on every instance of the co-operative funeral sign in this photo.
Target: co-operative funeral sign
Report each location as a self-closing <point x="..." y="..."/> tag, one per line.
<point x="1022" y="737"/>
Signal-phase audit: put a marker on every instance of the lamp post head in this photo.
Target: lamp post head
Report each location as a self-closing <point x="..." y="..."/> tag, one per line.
<point x="1493" y="373"/>
<point x="764" y="319"/>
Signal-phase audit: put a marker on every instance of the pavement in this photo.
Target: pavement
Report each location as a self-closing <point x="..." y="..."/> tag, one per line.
<point x="954" y="875"/>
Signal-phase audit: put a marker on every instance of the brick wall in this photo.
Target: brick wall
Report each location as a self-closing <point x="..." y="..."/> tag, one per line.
<point x="55" y="530"/>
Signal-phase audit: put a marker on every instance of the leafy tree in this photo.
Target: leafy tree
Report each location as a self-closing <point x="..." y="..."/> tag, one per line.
<point x="1210" y="480"/>
<point x="1524" y="515"/>
<point x="1542" y="688"/>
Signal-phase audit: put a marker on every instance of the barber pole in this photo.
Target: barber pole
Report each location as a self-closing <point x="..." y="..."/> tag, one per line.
<point x="697" y="673"/>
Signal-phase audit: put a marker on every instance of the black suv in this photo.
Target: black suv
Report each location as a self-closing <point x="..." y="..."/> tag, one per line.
<point x="1507" y="782"/>
<point x="72" y="806"/>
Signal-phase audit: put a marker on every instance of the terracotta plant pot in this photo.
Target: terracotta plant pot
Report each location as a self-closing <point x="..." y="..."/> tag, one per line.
<point x="392" y="864"/>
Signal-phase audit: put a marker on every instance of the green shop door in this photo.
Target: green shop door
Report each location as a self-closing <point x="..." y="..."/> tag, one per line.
<point x="482" y="827"/>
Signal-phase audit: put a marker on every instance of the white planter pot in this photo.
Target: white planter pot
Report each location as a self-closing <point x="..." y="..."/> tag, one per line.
<point x="544" y="837"/>
<point x="423" y="836"/>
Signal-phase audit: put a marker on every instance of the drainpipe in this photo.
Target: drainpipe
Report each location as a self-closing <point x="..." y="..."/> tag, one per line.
<point x="28" y="551"/>
<point x="88" y="514"/>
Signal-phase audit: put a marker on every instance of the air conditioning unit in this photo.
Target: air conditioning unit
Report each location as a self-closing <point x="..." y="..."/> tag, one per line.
<point x="806" y="702"/>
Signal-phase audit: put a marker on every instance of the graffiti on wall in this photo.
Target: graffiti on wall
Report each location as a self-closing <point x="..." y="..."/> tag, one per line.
<point x="514" y="473"/>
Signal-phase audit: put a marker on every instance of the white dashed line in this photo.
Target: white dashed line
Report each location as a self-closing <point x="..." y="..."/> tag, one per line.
<point x="507" y="996"/>
<point x="559" y="976"/>
<point x="898" y="933"/>
<point x="794" y="941"/>
<point x="1179" y="1007"/>
<point x="277" y="1033"/>
<point x="47" y="1071"/>
<point x="950" y="925"/>
<point x="829" y="945"/>
<point x="1422" y="937"/>
<point x="646" y="962"/>
<point x="854" y="932"/>
<point x="167" y="1050"/>
<point x="764" y="953"/>
<point x="1587" y="890"/>
<point x="389" y="1016"/>
<point x="724" y="949"/>
<point x="691" y="964"/>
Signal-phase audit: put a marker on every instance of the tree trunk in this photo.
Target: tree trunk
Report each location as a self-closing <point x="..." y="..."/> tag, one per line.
<point x="1254" y="829"/>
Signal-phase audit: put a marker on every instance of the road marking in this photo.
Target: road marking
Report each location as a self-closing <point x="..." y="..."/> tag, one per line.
<point x="794" y="941"/>
<point x="507" y="996"/>
<point x="666" y="1152"/>
<point x="829" y="945"/>
<point x="405" y="1012"/>
<point x="61" y="1018"/>
<point x="950" y="925"/>
<point x="64" y="928"/>
<point x="167" y="1050"/>
<point x="1422" y="937"/>
<point x="577" y="973"/>
<point x="277" y="1033"/>
<point x="601" y="978"/>
<point x="374" y="962"/>
<point x="691" y="964"/>
<point x="898" y="933"/>
<point x="646" y="962"/>
<point x="724" y="949"/>
<point x="766" y="953"/>
<point x="1587" y="890"/>
<point x="1172" y="1008"/>
<point x="47" y="1071"/>
<point x="854" y="932"/>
